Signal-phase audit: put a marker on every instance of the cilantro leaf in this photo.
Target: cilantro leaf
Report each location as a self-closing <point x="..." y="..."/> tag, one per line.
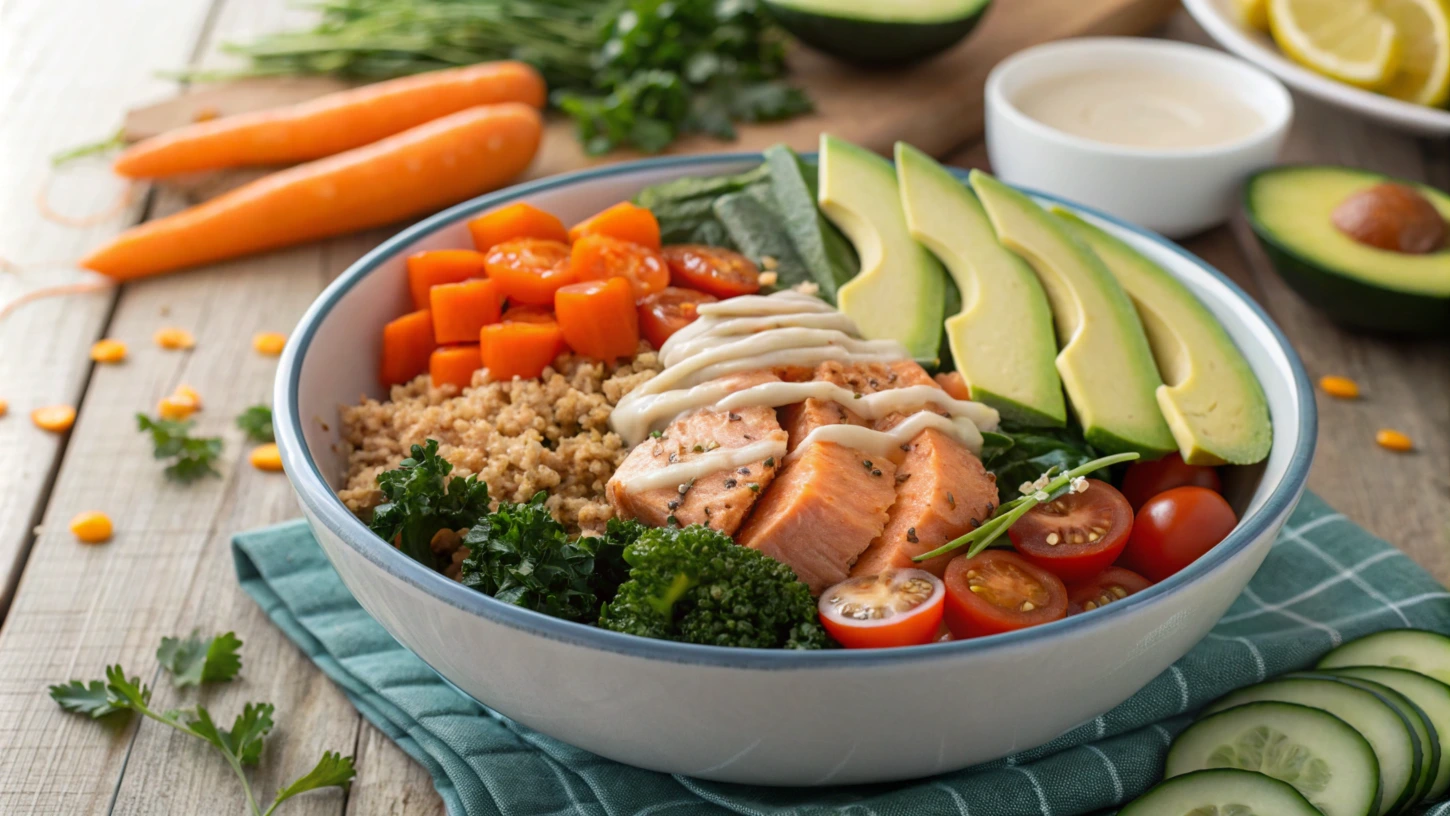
<point x="256" y="422"/>
<point x="244" y="741"/>
<point x="421" y="500"/>
<point x="333" y="770"/>
<point x="171" y="439"/>
<point x="93" y="699"/>
<point x="193" y="661"/>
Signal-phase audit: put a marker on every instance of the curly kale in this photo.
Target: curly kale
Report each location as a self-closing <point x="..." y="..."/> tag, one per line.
<point x="421" y="500"/>
<point x="697" y="585"/>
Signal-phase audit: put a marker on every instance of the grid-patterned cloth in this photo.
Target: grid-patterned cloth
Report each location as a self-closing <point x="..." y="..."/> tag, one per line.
<point x="1326" y="581"/>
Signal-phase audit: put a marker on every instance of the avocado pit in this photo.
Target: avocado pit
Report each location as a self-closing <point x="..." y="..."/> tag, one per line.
<point x="1393" y="217"/>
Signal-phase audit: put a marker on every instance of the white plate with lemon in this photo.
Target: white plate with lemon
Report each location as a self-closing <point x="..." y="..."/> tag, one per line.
<point x="1388" y="60"/>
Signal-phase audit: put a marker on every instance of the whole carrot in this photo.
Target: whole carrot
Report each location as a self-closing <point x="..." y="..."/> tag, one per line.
<point x="332" y="123"/>
<point x="419" y="171"/>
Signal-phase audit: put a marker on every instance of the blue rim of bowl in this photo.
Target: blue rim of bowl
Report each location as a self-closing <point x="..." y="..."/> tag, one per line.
<point x="319" y="498"/>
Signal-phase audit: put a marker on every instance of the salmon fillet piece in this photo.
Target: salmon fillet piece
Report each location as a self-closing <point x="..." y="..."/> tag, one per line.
<point x="942" y="491"/>
<point x="721" y="499"/>
<point x="826" y="506"/>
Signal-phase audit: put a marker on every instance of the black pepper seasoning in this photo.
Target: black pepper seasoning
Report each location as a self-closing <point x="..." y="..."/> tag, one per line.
<point x="911" y="535"/>
<point x="951" y="500"/>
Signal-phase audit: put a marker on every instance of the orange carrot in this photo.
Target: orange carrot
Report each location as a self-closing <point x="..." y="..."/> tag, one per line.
<point x="519" y="349"/>
<point x="419" y="171"/>
<point x="439" y="266"/>
<point x="518" y="220"/>
<point x="454" y="365"/>
<point x="331" y="124"/>
<point x="625" y="221"/>
<point x="523" y="313"/>
<point x="407" y="344"/>
<point x="598" y="318"/>
<point x="529" y="270"/>
<point x="461" y="309"/>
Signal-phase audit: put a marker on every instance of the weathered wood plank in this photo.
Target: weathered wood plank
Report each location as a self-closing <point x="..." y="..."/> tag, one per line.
<point x="389" y="782"/>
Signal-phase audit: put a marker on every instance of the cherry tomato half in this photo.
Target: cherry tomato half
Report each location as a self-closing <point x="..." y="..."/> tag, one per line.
<point x="1076" y="535"/>
<point x="1174" y="528"/>
<point x="600" y="257"/>
<point x="669" y="310"/>
<point x="999" y="591"/>
<point x="723" y="273"/>
<point x="1144" y="480"/>
<point x="530" y="270"/>
<point x="1112" y="584"/>
<point x="895" y="608"/>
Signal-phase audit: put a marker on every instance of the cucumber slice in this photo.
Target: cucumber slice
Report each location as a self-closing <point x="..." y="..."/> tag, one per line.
<point x="1325" y="759"/>
<point x="1419" y="724"/>
<point x="1425" y="652"/>
<point x="1375" y="718"/>
<point x="1221" y="793"/>
<point x="1431" y="696"/>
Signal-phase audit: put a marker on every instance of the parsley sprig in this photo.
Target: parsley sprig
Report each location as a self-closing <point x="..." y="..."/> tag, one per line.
<point x="193" y="661"/>
<point x="256" y="423"/>
<point x="194" y="457"/>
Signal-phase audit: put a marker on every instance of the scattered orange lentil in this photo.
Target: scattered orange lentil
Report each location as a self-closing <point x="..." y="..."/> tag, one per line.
<point x="4" y="408"/>
<point x="266" y="457"/>
<point x="54" y="418"/>
<point x="108" y="351"/>
<point x="177" y="407"/>
<point x="174" y="338"/>
<point x="1341" y="387"/>
<point x="269" y="343"/>
<point x="1394" y="440"/>
<point x="91" y="527"/>
<point x="190" y="393"/>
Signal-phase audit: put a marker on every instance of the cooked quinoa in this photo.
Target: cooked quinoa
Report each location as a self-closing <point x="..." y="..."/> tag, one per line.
<point x="520" y="437"/>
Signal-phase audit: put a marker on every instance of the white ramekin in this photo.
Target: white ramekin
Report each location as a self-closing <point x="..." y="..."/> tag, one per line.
<point x="1175" y="192"/>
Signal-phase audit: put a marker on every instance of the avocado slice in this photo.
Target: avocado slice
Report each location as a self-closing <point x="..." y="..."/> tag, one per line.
<point x="1105" y="363"/>
<point x="872" y="32"/>
<point x="1212" y="400"/>
<point x="899" y="293"/>
<point x="1355" y="284"/>
<point x="1002" y="338"/>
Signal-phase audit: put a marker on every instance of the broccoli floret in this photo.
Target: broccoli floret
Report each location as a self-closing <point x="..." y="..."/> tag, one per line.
<point x="698" y="586"/>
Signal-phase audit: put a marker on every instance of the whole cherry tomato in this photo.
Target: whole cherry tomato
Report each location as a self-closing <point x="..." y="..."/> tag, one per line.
<point x="1174" y="529"/>
<point x="1144" y="480"/>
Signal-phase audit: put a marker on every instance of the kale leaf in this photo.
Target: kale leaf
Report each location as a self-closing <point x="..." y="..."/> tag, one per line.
<point x="420" y="500"/>
<point x="522" y="555"/>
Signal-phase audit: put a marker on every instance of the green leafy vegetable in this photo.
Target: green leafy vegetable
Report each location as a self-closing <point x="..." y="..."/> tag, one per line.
<point x="421" y="500"/>
<point x="190" y="664"/>
<point x="828" y="257"/>
<point x="256" y="423"/>
<point x="171" y="438"/>
<point x="637" y="73"/>
<point x="695" y="584"/>
<point x="193" y="661"/>
<point x="522" y="555"/>
<point x="685" y="207"/>
<point x="1019" y="454"/>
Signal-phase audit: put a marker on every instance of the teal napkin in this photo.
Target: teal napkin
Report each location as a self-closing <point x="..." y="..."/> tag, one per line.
<point x="1326" y="581"/>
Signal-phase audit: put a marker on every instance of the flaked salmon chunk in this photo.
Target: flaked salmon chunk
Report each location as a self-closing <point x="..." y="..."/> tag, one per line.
<point x="720" y="499"/>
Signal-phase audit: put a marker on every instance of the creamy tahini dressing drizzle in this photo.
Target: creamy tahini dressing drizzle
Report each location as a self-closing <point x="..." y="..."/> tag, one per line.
<point x="784" y="329"/>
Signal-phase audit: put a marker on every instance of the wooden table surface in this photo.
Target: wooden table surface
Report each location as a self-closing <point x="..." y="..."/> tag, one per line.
<point x="68" y="69"/>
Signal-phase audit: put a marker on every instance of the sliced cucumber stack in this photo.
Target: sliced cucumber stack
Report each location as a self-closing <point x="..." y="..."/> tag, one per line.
<point x="1387" y="730"/>
<point x="1420" y="727"/>
<point x="1433" y="699"/>
<point x="1425" y="652"/>
<point x="1326" y="760"/>
<point x="1222" y="793"/>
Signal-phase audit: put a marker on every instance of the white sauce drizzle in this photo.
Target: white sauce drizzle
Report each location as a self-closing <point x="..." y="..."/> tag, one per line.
<point x="784" y="329"/>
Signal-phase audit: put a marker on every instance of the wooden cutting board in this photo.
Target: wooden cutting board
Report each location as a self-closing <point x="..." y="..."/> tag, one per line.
<point x="936" y="105"/>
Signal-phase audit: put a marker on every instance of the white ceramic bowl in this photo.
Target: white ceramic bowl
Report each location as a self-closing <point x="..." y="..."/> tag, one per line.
<point x="1218" y="19"/>
<point x="745" y="715"/>
<point x="1173" y="191"/>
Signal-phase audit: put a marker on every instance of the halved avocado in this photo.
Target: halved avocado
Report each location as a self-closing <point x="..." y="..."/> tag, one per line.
<point x="879" y="32"/>
<point x="1002" y="338"/>
<point x="1106" y="365"/>
<point x="1212" y="400"/>
<point x="900" y="292"/>
<point x="1356" y="284"/>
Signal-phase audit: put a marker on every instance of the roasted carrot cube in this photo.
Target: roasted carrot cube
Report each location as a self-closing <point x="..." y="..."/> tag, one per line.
<point x="598" y="318"/>
<point x="461" y="309"/>
<point x="519" y="349"/>
<point x="454" y="365"/>
<point x="625" y="221"/>
<point x="407" y="344"/>
<point x="515" y="221"/>
<point x="438" y="266"/>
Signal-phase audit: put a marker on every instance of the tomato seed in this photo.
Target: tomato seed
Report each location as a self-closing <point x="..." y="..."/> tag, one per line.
<point x="1027" y="606"/>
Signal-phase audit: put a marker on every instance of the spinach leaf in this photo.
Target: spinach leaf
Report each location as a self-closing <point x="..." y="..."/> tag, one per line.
<point x="1018" y="454"/>
<point x="827" y="256"/>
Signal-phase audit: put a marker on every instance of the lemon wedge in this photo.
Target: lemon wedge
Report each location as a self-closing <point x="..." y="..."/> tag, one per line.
<point x="1348" y="40"/>
<point x="1424" y="29"/>
<point x="1253" y="13"/>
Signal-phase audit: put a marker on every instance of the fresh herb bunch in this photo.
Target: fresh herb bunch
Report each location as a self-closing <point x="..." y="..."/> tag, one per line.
<point x="194" y="457"/>
<point x="421" y="500"/>
<point x="636" y="73"/>
<point x="256" y="423"/>
<point x="695" y="584"/>
<point x="192" y="661"/>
